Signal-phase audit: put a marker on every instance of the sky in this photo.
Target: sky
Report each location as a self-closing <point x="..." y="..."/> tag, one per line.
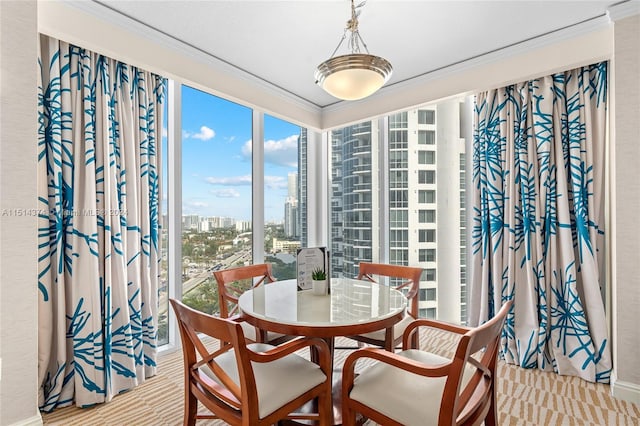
<point x="216" y="158"/>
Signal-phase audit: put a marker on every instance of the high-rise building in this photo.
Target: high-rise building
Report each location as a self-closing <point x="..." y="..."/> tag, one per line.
<point x="243" y="225"/>
<point x="353" y="198"/>
<point x="291" y="210"/>
<point x="302" y="186"/>
<point x="190" y="222"/>
<point x="423" y="166"/>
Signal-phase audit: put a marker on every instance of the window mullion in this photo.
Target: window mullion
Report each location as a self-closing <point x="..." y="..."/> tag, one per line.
<point x="257" y="182"/>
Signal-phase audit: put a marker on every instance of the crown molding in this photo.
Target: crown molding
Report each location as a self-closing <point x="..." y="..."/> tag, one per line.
<point x="624" y="10"/>
<point x="104" y="13"/>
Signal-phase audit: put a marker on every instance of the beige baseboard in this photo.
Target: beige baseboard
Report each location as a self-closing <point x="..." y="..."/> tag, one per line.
<point x="626" y="391"/>
<point x="31" y="421"/>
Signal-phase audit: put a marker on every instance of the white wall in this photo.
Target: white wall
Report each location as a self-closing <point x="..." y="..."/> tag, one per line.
<point x="626" y="250"/>
<point x="18" y="238"/>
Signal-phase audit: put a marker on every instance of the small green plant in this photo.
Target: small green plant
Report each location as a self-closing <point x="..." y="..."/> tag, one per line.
<point x="318" y="274"/>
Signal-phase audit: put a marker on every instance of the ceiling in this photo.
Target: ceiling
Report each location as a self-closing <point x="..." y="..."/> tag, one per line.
<point x="282" y="42"/>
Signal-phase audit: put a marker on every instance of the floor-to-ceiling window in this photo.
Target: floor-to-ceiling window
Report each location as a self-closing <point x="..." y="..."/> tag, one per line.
<point x="216" y="181"/>
<point x="216" y="193"/>
<point x="282" y="213"/>
<point x="396" y="195"/>
<point x="408" y="211"/>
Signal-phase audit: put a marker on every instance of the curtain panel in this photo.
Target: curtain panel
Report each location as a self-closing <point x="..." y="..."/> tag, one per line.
<point x="538" y="220"/>
<point x="100" y="123"/>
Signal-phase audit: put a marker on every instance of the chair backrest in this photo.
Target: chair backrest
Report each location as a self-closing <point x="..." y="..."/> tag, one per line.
<point x="468" y="400"/>
<point x="229" y="395"/>
<point x="235" y="281"/>
<point x="409" y="276"/>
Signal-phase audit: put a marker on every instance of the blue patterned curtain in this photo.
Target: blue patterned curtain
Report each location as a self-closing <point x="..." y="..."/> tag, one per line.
<point x="538" y="206"/>
<point x="98" y="190"/>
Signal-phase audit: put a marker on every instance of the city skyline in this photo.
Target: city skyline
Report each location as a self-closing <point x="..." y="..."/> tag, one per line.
<point x="216" y="158"/>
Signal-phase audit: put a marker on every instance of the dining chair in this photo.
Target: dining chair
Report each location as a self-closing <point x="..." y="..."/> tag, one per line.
<point x="247" y="383"/>
<point x="409" y="278"/>
<point x="232" y="283"/>
<point x="427" y="389"/>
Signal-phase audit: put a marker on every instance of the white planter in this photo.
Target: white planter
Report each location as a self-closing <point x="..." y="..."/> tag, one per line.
<point x="319" y="288"/>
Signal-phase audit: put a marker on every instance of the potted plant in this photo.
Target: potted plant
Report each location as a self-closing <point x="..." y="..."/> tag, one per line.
<point x="319" y="281"/>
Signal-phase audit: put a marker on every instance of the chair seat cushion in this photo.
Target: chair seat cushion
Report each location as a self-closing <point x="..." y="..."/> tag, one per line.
<point x="250" y="332"/>
<point x="408" y="398"/>
<point x="398" y="329"/>
<point x="277" y="382"/>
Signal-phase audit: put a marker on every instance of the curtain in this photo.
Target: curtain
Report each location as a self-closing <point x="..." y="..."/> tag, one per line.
<point x="538" y="220"/>
<point x="98" y="194"/>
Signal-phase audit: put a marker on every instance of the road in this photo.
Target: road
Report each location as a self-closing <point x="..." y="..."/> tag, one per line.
<point x="242" y="256"/>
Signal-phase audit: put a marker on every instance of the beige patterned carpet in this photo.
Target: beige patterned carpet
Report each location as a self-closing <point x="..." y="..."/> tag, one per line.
<point x="525" y="397"/>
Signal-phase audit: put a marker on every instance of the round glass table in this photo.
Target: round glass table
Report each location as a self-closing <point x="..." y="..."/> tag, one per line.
<point x="352" y="307"/>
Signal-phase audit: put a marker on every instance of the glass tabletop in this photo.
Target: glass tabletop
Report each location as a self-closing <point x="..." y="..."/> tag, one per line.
<point x="351" y="302"/>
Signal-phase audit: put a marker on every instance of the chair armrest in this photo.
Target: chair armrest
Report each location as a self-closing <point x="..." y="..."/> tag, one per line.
<point x="398" y="361"/>
<point x="438" y="325"/>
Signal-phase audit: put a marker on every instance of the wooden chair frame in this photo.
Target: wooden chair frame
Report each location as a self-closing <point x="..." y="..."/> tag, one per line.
<point x="471" y="404"/>
<point x="411" y="276"/>
<point x="237" y="404"/>
<point x="260" y="274"/>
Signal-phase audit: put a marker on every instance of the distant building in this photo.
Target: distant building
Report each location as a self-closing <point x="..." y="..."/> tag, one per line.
<point x="190" y="222"/>
<point x="285" y="246"/>
<point x="243" y="225"/>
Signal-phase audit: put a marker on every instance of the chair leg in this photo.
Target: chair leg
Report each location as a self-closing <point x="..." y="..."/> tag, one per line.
<point x="348" y="415"/>
<point x="491" y="420"/>
<point x="190" y="409"/>
<point x="325" y="408"/>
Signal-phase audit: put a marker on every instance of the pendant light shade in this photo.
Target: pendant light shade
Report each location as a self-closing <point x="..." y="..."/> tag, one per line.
<point x="352" y="77"/>
<point x="355" y="75"/>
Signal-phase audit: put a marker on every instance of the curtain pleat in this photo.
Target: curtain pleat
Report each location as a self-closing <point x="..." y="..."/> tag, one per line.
<point x="538" y="225"/>
<point x="98" y="191"/>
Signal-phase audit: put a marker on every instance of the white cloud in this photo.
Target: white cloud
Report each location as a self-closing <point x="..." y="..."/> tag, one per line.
<point x="276" y="182"/>
<point x="271" y="182"/>
<point x="226" y="193"/>
<point x="283" y="152"/>
<point x="197" y="204"/>
<point x="205" y="134"/>
<point x="193" y="206"/>
<point x="246" y="150"/>
<point x="230" y="181"/>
